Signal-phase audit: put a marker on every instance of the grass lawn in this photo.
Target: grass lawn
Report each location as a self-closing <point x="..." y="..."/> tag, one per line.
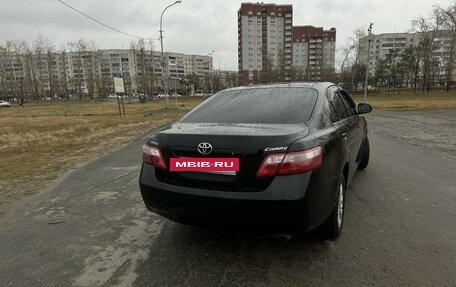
<point x="40" y="141"/>
<point x="409" y="101"/>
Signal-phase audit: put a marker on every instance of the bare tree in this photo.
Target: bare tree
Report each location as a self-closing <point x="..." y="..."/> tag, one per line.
<point x="51" y="66"/>
<point x="232" y="80"/>
<point x="427" y="29"/>
<point x="144" y="58"/>
<point x="41" y="71"/>
<point x="411" y="62"/>
<point x="447" y="18"/>
<point x="381" y="75"/>
<point x="31" y="73"/>
<point x="63" y="79"/>
<point x="194" y="80"/>
<point x="268" y="73"/>
<point x="5" y="69"/>
<point x="91" y="68"/>
<point x="353" y="63"/>
<point x="77" y="50"/>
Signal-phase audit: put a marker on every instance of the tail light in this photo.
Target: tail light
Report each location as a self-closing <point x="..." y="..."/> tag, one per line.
<point x="153" y="156"/>
<point x="290" y="163"/>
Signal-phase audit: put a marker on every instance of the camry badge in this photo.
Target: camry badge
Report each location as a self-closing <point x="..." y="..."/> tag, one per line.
<point x="281" y="148"/>
<point x="204" y="148"/>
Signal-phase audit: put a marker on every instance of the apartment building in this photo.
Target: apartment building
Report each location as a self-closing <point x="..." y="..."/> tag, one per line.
<point x="384" y="44"/>
<point x="81" y="71"/>
<point x="314" y="51"/>
<point x="267" y="39"/>
<point x="395" y="43"/>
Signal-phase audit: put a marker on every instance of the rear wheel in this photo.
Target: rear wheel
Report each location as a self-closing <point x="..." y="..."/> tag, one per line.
<point x="365" y="156"/>
<point x="335" y="221"/>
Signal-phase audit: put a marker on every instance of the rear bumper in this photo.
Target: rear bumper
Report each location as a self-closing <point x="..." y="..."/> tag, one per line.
<point x="290" y="203"/>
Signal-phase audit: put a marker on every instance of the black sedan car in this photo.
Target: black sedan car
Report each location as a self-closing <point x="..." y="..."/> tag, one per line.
<point x="274" y="156"/>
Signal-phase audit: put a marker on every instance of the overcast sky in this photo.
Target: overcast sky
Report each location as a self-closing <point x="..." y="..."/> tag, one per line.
<point x="194" y="26"/>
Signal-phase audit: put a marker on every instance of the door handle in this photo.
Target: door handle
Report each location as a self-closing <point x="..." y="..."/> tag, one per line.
<point x="344" y="134"/>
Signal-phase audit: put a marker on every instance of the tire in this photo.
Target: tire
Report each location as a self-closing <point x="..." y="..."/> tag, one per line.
<point x="335" y="222"/>
<point x="365" y="156"/>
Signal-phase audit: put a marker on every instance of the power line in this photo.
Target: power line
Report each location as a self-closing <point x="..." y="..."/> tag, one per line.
<point x="103" y="24"/>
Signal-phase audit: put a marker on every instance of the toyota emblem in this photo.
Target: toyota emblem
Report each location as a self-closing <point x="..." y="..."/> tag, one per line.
<point x="205" y="148"/>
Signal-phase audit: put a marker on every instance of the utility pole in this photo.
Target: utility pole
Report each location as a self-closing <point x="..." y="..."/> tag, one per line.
<point x="165" y="90"/>
<point x="212" y="75"/>
<point x="367" y="63"/>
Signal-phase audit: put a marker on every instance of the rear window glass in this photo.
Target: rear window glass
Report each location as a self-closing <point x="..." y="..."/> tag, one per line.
<point x="275" y="105"/>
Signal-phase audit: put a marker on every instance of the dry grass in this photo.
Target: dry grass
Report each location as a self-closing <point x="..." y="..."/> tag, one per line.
<point x="410" y="101"/>
<point x="38" y="142"/>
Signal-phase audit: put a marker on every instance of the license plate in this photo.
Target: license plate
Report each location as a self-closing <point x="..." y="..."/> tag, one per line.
<point x="225" y="166"/>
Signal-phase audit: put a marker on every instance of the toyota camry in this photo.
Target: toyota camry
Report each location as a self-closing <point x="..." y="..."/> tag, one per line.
<point x="275" y="156"/>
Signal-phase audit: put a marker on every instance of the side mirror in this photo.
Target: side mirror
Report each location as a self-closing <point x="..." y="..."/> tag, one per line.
<point x="364" y="108"/>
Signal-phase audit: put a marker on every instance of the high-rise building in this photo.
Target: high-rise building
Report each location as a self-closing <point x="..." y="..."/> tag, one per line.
<point x="314" y="51"/>
<point x="267" y="40"/>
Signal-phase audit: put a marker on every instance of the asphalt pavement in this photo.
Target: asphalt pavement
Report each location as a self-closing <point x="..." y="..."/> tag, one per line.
<point x="92" y="229"/>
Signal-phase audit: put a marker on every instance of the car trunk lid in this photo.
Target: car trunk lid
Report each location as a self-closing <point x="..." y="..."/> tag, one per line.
<point x="248" y="142"/>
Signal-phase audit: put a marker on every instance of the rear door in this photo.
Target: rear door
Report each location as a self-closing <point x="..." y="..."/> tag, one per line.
<point x="353" y="114"/>
<point x="347" y="127"/>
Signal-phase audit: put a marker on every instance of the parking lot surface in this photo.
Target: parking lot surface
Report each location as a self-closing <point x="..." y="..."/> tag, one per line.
<point x="92" y="229"/>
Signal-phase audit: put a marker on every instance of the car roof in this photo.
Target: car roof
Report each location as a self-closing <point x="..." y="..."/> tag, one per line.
<point x="319" y="86"/>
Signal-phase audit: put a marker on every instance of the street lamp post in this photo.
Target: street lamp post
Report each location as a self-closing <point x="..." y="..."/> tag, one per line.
<point x="162" y="54"/>
<point x="212" y="76"/>
<point x="367" y="64"/>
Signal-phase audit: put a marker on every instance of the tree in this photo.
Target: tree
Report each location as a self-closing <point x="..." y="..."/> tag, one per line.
<point x="427" y="29"/>
<point x="51" y="66"/>
<point x="5" y="70"/>
<point x="391" y="63"/>
<point x="447" y="18"/>
<point x="144" y="58"/>
<point x="90" y="64"/>
<point x="411" y="61"/>
<point x="232" y="79"/>
<point x="268" y="74"/>
<point x="281" y="72"/>
<point x="358" y="74"/>
<point x="63" y="79"/>
<point x="194" y="80"/>
<point x="352" y="62"/>
<point x="77" y="50"/>
<point x="381" y="75"/>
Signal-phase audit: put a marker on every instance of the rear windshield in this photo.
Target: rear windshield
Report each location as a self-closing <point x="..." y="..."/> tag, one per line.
<point x="274" y="105"/>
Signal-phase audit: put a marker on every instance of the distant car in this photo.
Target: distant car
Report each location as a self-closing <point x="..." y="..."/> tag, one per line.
<point x="162" y="96"/>
<point x="275" y="156"/>
<point x="114" y="96"/>
<point x="5" y="104"/>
